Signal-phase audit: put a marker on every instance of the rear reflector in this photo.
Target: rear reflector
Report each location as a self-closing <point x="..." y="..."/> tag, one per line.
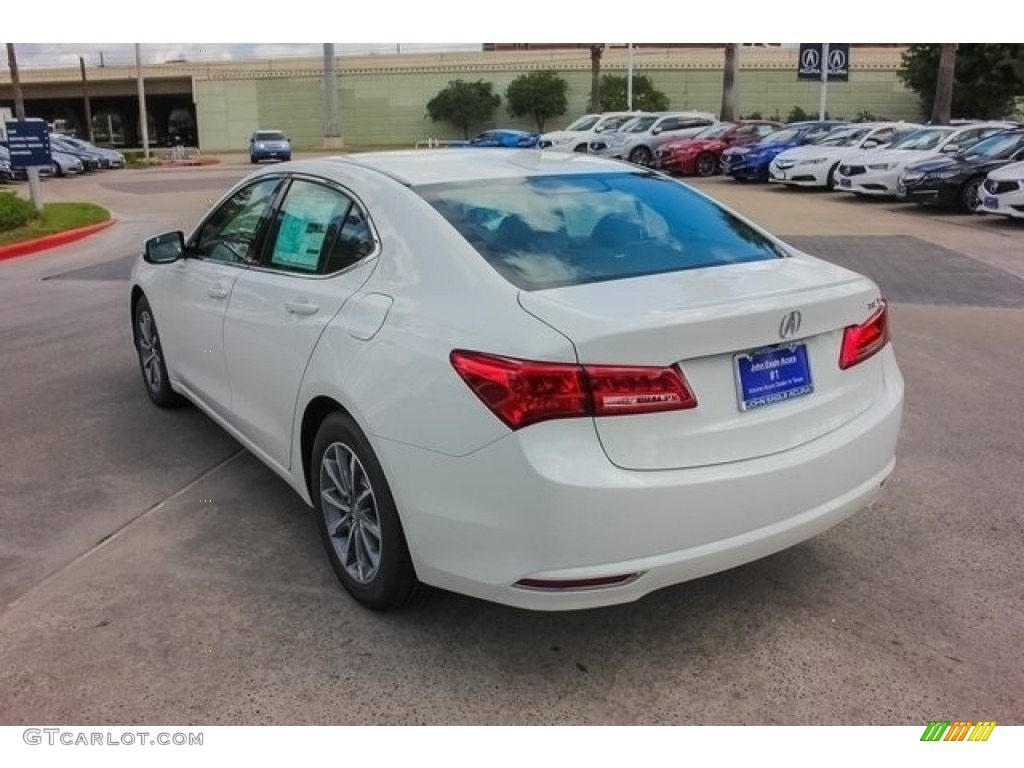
<point x="557" y="585"/>
<point x="522" y="392"/>
<point x="862" y="341"/>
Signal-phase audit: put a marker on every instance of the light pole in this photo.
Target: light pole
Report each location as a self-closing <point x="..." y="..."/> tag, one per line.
<point x="629" y="77"/>
<point x="824" y="81"/>
<point x="88" y="105"/>
<point x="143" y="117"/>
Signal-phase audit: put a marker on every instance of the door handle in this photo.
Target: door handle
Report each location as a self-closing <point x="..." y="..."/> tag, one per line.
<point x="217" y="291"/>
<point x="301" y="307"/>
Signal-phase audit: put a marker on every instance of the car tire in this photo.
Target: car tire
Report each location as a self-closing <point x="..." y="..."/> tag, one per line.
<point x="830" y="180"/>
<point x="640" y="156"/>
<point x="57" y="171"/>
<point x="580" y="148"/>
<point x="706" y="164"/>
<point x="358" y="519"/>
<point x="151" y="358"/>
<point x="970" y="195"/>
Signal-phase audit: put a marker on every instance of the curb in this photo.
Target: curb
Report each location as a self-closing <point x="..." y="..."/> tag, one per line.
<point x="52" y="241"/>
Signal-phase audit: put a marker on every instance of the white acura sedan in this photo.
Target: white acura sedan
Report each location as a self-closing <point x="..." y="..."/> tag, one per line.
<point x="815" y="165"/>
<point x="876" y="172"/>
<point x="547" y="380"/>
<point x="1003" y="191"/>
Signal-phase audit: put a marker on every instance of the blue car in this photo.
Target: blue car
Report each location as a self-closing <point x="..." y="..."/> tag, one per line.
<point x="501" y="137"/>
<point x="269" y="145"/>
<point x="750" y="162"/>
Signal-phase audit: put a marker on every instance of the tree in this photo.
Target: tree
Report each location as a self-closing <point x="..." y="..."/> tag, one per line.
<point x="987" y="77"/>
<point x="729" y="70"/>
<point x="463" y="104"/>
<point x="797" y="115"/>
<point x="596" y="52"/>
<point x="942" y="109"/>
<point x="539" y="94"/>
<point x="646" y="97"/>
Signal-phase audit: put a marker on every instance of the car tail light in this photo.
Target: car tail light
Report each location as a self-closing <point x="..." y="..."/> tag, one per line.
<point x="862" y="341"/>
<point x="523" y="392"/>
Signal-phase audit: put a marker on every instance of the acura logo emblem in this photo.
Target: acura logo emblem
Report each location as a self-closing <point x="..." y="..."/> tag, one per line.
<point x="790" y="325"/>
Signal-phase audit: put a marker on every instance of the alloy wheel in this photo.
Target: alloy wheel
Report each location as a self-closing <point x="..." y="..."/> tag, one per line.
<point x="149" y="351"/>
<point x="350" y="512"/>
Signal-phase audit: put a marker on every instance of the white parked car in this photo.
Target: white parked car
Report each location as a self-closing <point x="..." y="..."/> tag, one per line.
<point x="877" y="172"/>
<point x="577" y="136"/>
<point x="815" y="165"/>
<point x="537" y="378"/>
<point x="637" y="140"/>
<point x="1003" y="192"/>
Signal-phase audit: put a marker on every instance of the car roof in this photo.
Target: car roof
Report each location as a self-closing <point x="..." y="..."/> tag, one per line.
<point x="417" y="167"/>
<point x="516" y="131"/>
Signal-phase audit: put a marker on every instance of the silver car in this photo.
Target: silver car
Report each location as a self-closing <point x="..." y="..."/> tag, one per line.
<point x="637" y="140"/>
<point x="63" y="164"/>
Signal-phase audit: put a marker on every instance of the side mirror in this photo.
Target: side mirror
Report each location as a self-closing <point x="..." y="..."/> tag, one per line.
<point x="165" y="249"/>
<point x="949" y="149"/>
<point x="655" y="131"/>
<point x="870" y="144"/>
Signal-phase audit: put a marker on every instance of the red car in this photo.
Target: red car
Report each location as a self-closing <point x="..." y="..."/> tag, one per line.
<point x="700" y="154"/>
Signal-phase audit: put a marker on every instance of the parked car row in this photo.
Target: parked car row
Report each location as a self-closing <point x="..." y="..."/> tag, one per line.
<point x="632" y="136"/>
<point x="973" y="166"/>
<point x="68" y="157"/>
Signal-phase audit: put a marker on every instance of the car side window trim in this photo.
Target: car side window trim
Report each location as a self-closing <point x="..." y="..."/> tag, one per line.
<point x="192" y="245"/>
<point x="264" y="264"/>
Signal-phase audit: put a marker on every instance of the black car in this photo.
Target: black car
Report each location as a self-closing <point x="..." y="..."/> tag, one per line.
<point x="954" y="181"/>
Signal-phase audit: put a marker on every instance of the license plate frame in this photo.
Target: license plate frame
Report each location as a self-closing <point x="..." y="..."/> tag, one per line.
<point x="784" y="374"/>
<point x="845" y="183"/>
<point x="991" y="203"/>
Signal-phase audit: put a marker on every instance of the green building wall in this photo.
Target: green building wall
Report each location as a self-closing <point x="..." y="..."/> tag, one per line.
<point x="388" y="108"/>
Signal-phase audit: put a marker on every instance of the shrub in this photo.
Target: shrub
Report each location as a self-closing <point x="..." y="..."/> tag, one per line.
<point x="14" y="211"/>
<point x="797" y="115"/>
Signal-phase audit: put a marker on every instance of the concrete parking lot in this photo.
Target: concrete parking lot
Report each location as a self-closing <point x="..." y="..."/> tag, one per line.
<point x="153" y="572"/>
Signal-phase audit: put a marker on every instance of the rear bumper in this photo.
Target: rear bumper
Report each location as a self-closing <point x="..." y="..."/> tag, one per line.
<point x="546" y="504"/>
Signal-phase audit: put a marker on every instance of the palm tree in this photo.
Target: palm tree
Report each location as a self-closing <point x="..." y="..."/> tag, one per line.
<point x="943" y="106"/>
<point x="729" y="71"/>
<point x="596" y="52"/>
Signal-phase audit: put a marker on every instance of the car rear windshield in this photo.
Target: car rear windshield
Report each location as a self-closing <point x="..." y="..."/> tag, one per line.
<point x="552" y="231"/>
<point x="269" y="136"/>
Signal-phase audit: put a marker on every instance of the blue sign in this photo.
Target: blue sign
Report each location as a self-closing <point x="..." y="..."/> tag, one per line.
<point x="810" y="61"/>
<point x="29" y="143"/>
